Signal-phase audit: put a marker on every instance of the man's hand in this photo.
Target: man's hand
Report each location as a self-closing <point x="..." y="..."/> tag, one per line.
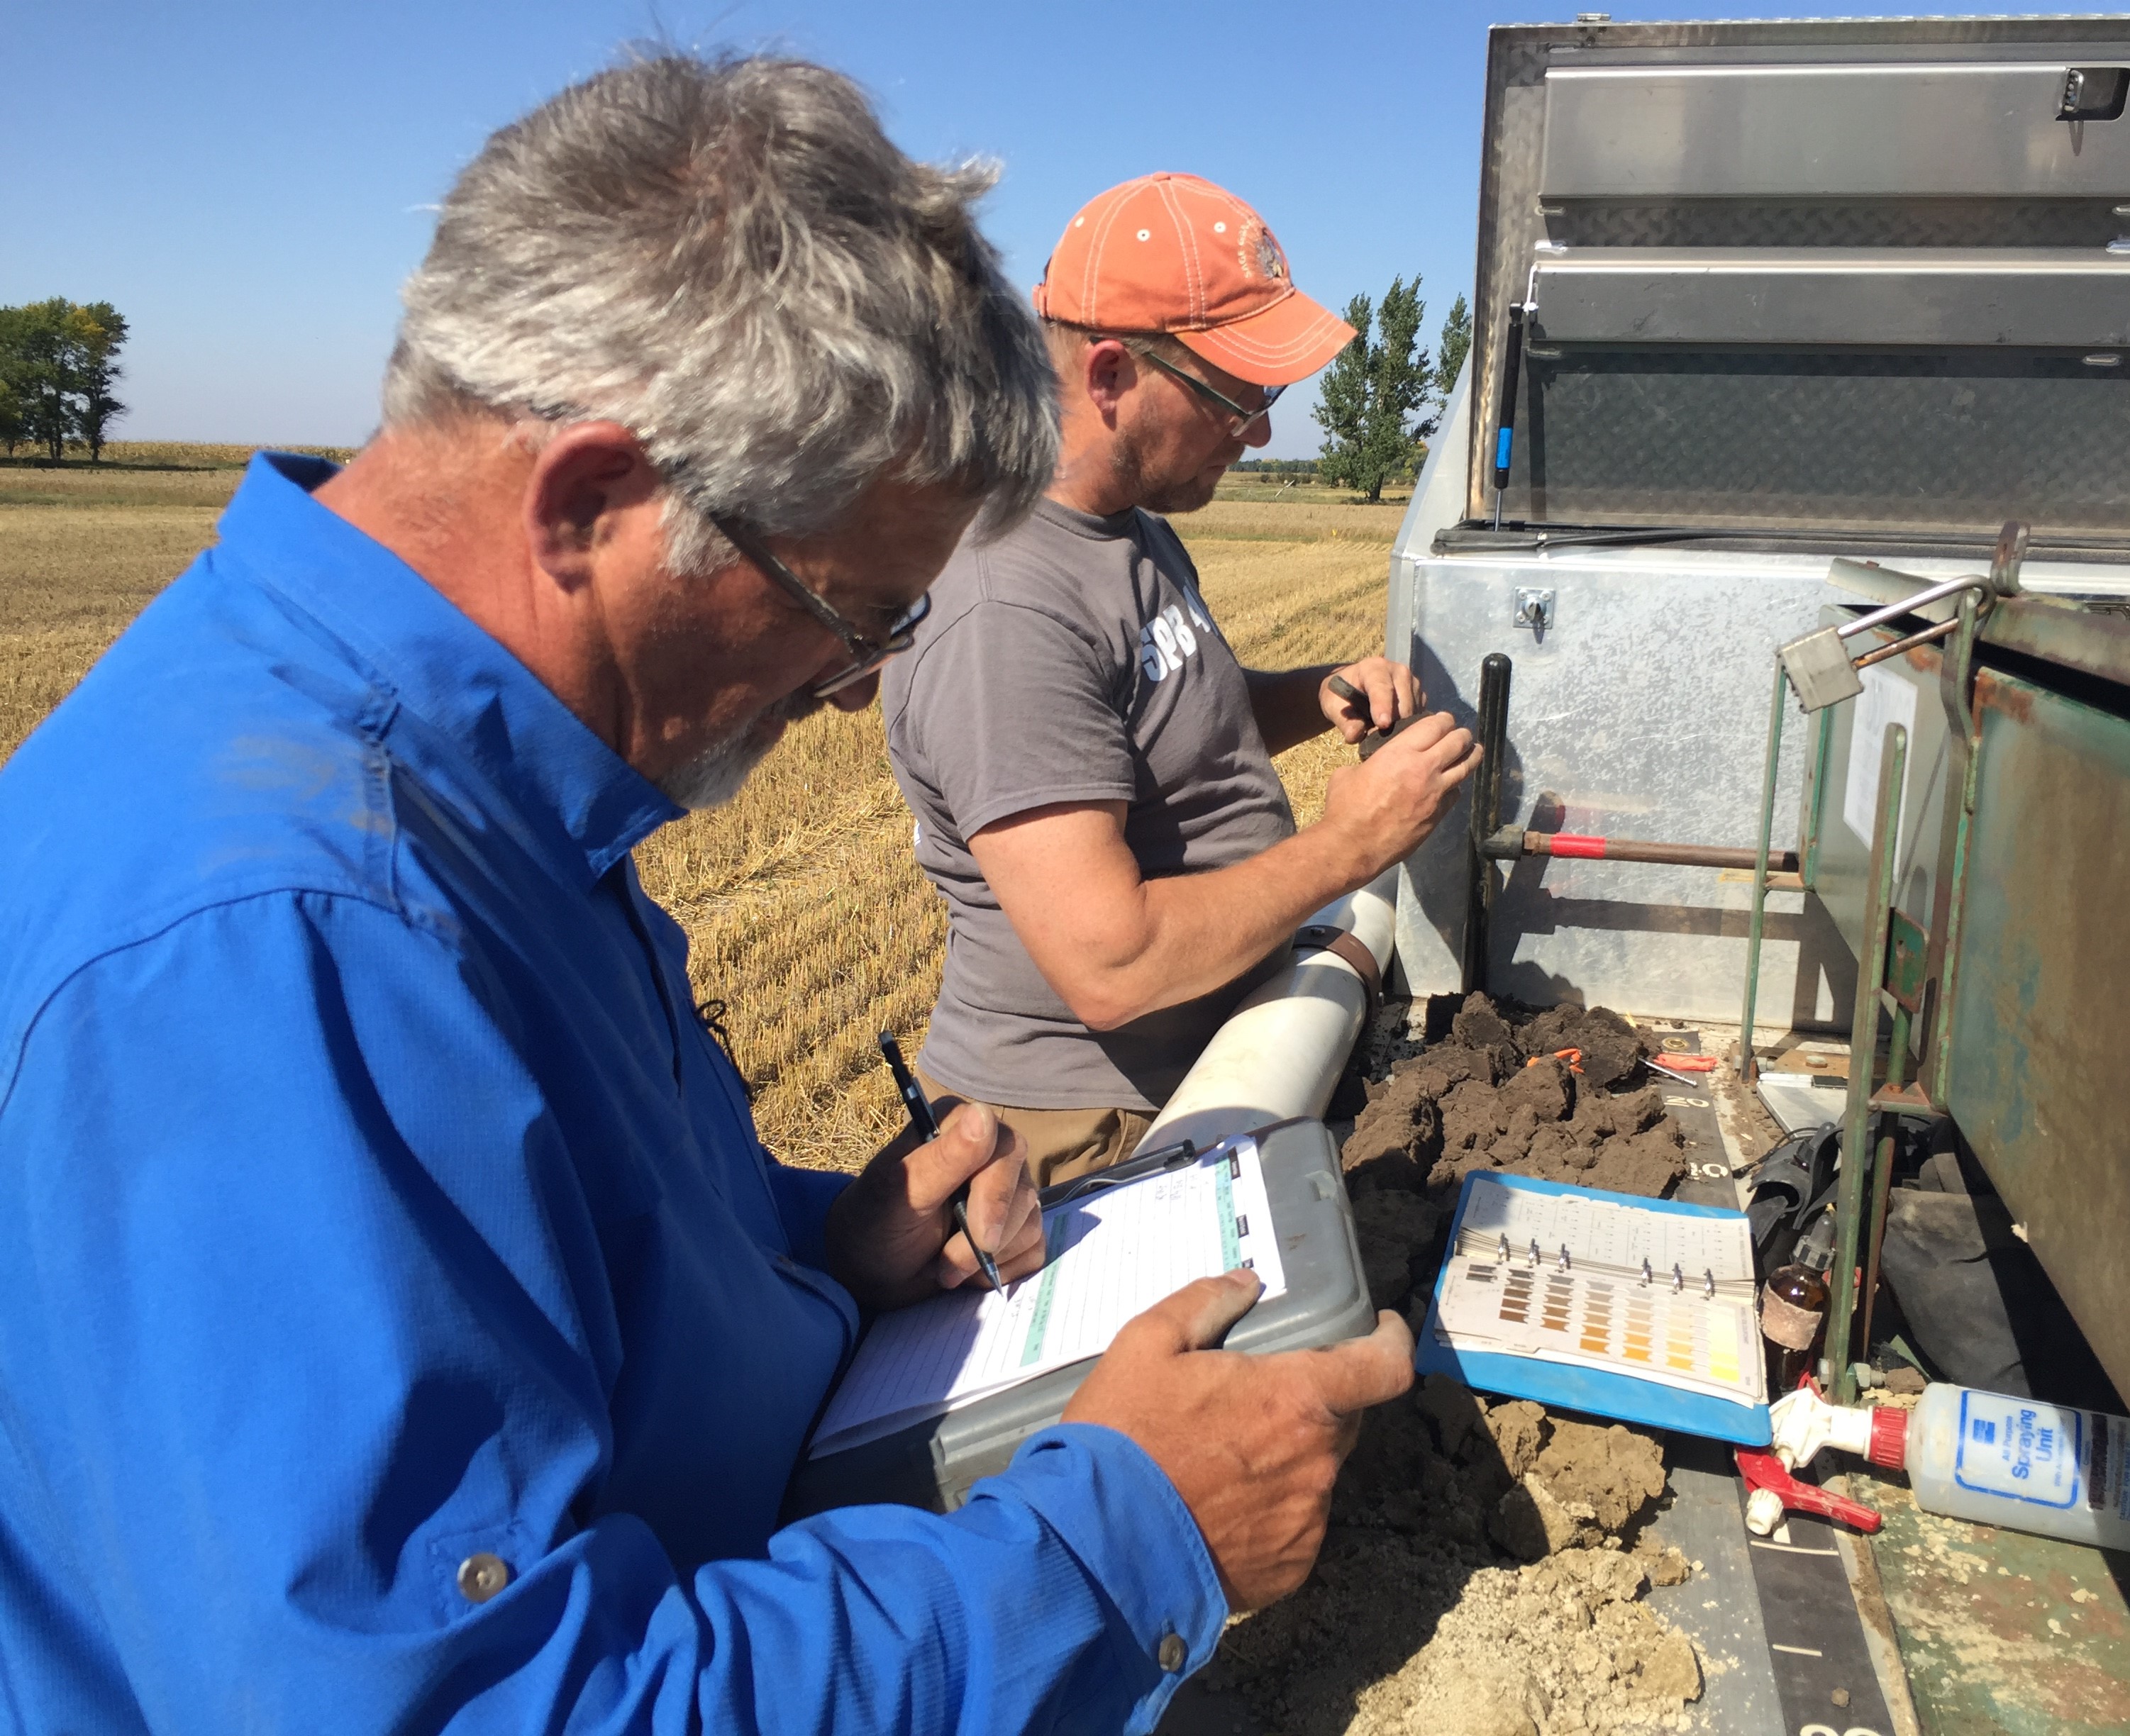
<point x="892" y="1235"/>
<point x="1384" y="808"/>
<point x="1253" y="1443"/>
<point x="1389" y="692"/>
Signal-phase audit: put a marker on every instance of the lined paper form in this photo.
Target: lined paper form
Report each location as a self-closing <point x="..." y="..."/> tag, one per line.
<point x="1110" y="1256"/>
<point x="1659" y="1295"/>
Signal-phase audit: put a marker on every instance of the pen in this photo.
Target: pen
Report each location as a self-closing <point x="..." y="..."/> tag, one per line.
<point x="928" y="1124"/>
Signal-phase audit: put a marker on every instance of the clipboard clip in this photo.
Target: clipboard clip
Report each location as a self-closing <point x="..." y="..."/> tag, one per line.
<point x="1135" y="1168"/>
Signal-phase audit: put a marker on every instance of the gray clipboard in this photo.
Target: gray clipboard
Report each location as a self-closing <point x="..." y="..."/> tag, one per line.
<point x="931" y="1464"/>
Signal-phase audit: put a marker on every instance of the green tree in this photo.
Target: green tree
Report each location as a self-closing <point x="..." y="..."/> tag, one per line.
<point x="1451" y="349"/>
<point x="1374" y="396"/>
<point x="99" y="330"/>
<point x="14" y="427"/>
<point x="42" y="373"/>
<point x="58" y="368"/>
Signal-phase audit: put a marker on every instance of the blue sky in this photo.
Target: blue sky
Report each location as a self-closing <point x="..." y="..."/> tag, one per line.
<point x="247" y="181"/>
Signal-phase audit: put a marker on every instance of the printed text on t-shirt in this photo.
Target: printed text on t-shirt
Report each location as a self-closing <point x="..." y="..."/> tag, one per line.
<point x="1166" y="641"/>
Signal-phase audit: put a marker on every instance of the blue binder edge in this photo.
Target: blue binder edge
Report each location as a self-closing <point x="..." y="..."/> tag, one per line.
<point x="1622" y="1397"/>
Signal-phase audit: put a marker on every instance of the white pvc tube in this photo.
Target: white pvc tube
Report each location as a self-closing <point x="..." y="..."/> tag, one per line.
<point x="1281" y="1051"/>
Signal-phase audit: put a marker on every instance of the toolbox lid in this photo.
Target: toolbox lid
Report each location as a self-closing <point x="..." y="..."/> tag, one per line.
<point x="1831" y="276"/>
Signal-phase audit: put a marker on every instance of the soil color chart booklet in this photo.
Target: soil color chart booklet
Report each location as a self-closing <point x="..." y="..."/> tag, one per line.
<point x="1646" y="1290"/>
<point x="1110" y="1256"/>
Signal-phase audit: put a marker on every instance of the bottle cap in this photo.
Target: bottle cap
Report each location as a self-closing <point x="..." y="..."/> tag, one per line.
<point x="1890" y="1438"/>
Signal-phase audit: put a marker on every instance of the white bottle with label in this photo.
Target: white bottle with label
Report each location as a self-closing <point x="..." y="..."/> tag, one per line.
<point x="2019" y="1463"/>
<point x="1984" y="1457"/>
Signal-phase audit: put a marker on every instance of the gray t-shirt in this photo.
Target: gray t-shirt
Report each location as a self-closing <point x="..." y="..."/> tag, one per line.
<point x="1071" y="660"/>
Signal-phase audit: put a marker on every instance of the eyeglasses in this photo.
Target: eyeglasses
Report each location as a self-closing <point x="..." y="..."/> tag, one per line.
<point x="867" y="654"/>
<point x="1243" y="418"/>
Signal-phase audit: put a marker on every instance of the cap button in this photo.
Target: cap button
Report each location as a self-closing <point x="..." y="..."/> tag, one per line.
<point x="482" y="1576"/>
<point x="1172" y="1652"/>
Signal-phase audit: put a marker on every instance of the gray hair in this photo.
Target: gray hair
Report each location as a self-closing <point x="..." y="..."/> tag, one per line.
<point x="731" y="260"/>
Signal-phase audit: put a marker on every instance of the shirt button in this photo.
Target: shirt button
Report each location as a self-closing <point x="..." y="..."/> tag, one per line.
<point x="1172" y="1653"/>
<point x="481" y="1576"/>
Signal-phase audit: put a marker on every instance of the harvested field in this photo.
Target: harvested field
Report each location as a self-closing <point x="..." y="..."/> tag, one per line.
<point x="807" y="916"/>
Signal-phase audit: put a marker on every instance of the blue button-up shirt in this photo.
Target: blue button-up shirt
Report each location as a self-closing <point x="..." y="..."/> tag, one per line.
<point x="371" y="1200"/>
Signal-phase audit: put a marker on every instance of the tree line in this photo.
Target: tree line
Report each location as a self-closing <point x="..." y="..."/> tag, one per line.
<point x="1300" y="469"/>
<point x="1376" y="398"/>
<point x="59" y="369"/>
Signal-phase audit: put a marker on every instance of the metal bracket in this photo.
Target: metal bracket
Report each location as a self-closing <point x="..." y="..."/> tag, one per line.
<point x="1535" y="610"/>
<point x="1908" y="955"/>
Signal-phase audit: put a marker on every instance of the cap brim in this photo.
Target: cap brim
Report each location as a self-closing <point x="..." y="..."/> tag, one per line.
<point x="1287" y="341"/>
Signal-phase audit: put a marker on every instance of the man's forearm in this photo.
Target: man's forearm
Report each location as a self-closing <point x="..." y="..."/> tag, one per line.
<point x="1286" y="704"/>
<point x="1197" y="932"/>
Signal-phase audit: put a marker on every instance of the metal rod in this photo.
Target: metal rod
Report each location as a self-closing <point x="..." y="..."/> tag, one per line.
<point x="1749" y="1064"/>
<point x="1857" y="1117"/>
<point x="1882" y="1173"/>
<point x="1940" y="630"/>
<point x="1815" y="793"/>
<point x="1909" y="604"/>
<point x="1504" y="412"/>
<point x="1948" y="902"/>
<point x="1511" y="843"/>
<point x="1494" y="672"/>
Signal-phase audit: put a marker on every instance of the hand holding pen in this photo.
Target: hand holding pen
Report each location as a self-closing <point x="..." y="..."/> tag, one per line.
<point x="927" y="1125"/>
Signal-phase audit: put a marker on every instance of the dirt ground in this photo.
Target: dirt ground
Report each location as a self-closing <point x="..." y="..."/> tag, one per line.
<point x="1486" y="1570"/>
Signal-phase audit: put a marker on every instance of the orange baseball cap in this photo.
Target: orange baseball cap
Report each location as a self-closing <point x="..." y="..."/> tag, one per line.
<point x="1175" y="254"/>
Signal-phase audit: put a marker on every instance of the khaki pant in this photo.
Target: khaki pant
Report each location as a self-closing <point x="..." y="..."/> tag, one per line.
<point x="1061" y="1143"/>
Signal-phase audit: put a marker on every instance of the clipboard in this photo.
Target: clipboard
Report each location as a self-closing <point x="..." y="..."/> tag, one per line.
<point x="933" y="1463"/>
<point x="1623" y="1397"/>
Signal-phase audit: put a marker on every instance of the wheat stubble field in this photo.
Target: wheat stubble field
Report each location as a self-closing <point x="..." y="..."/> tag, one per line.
<point x="804" y="910"/>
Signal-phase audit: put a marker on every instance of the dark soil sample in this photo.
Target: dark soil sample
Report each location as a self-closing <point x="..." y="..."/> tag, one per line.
<point x="1612" y="1048"/>
<point x="1500" y="1093"/>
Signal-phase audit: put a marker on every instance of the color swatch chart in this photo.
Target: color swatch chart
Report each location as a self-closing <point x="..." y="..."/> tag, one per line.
<point x="1691" y="1327"/>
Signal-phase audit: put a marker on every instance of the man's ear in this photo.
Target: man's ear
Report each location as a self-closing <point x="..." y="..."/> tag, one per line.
<point x="583" y="478"/>
<point x="1109" y="371"/>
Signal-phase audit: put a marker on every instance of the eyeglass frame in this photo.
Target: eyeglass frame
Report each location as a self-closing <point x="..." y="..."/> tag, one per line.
<point x="867" y="654"/>
<point x="1243" y="418"/>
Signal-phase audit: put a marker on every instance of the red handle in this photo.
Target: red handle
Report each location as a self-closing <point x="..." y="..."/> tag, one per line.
<point x="1686" y="1063"/>
<point x="1765" y="1471"/>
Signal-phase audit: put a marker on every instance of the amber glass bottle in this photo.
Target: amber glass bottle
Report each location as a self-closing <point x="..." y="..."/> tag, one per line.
<point x="1793" y="1309"/>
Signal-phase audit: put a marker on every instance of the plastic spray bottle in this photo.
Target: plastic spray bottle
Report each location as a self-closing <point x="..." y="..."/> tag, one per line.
<point x="1981" y="1455"/>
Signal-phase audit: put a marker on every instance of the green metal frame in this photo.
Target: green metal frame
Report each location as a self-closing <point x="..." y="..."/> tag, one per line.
<point x="1749" y="1063"/>
<point x="1815" y="794"/>
<point x="1964" y="740"/>
<point x="1865" y="1106"/>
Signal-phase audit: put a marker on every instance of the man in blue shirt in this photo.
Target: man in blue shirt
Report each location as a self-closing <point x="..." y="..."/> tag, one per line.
<point x="402" y="1326"/>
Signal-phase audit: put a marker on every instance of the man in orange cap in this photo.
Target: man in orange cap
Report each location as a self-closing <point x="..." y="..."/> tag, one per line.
<point x="1090" y="765"/>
